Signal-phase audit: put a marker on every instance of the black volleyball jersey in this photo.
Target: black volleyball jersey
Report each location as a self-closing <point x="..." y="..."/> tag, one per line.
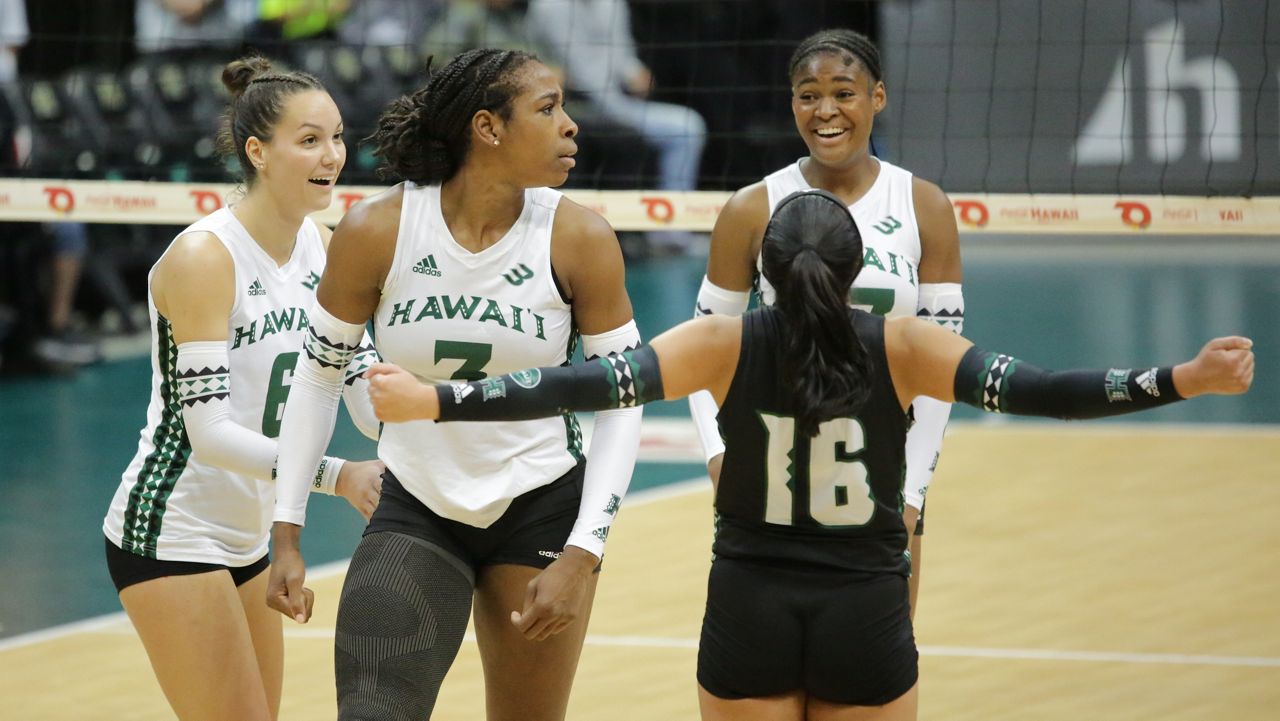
<point x="831" y="501"/>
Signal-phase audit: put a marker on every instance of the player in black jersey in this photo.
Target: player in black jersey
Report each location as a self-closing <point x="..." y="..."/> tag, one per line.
<point x="807" y="614"/>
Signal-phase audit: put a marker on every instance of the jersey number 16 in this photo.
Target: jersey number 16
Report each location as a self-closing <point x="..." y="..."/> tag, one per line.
<point x="839" y="495"/>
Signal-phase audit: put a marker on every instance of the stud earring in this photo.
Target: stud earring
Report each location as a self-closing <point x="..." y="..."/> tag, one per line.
<point x="495" y="141"/>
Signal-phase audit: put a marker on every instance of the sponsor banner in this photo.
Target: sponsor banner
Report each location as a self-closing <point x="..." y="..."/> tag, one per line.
<point x="1117" y="215"/>
<point x="181" y="203"/>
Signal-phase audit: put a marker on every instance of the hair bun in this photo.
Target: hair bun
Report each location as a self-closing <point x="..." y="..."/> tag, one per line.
<point x="238" y="73"/>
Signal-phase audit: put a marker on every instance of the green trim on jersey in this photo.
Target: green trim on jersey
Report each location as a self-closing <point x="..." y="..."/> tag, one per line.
<point x="149" y="496"/>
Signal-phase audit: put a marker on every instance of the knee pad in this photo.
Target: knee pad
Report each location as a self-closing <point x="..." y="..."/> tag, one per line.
<point x="403" y="613"/>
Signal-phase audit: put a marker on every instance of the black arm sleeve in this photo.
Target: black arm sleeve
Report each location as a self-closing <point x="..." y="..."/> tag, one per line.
<point x="1002" y="384"/>
<point x="620" y="380"/>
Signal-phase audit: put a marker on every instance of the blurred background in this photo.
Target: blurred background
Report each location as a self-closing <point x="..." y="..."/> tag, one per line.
<point x="993" y="97"/>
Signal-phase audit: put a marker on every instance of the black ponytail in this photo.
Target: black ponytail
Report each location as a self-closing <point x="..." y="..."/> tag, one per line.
<point x="812" y="252"/>
<point x="425" y="136"/>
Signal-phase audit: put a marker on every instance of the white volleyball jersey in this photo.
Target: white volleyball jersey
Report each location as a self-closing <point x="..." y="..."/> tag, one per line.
<point x="170" y="505"/>
<point x="888" y="284"/>
<point x="449" y="314"/>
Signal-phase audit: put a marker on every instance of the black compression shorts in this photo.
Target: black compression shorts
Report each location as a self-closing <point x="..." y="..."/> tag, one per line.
<point x="841" y="637"/>
<point x="127" y="569"/>
<point x="531" y="532"/>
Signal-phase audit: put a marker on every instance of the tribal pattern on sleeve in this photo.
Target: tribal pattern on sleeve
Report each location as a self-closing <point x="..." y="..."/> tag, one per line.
<point x="998" y="383"/>
<point x="328" y="353"/>
<point x="363" y="357"/>
<point x="204" y="385"/>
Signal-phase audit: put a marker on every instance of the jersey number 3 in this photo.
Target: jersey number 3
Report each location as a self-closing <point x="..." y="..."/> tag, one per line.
<point x="839" y="494"/>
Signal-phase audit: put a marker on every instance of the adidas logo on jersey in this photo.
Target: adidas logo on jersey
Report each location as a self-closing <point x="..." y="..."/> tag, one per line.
<point x="256" y="288"/>
<point x="427" y="266"/>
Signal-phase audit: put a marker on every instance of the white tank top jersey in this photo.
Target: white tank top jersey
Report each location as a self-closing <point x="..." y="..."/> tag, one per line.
<point x="171" y="506"/>
<point x="886" y="216"/>
<point x="449" y="314"/>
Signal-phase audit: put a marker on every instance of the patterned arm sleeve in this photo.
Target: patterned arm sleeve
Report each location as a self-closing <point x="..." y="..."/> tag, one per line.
<point x="355" y="389"/>
<point x="202" y="387"/>
<point x="1000" y="383"/>
<point x="330" y="346"/>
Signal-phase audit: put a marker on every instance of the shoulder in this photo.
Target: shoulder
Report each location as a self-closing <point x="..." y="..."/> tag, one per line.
<point x="747" y="207"/>
<point x="376" y="214"/>
<point x="194" y="254"/>
<point x="932" y="205"/>
<point x="584" y="247"/>
<point x="577" y="227"/>
<point x="587" y="260"/>
<point x="196" y="269"/>
<point x="909" y="340"/>
<point x="723" y="333"/>
<point x="364" y="243"/>
<point x="939" y="235"/>
<point x="721" y="328"/>
<point x="735" y="239"/>
<point x="900" y="335"/>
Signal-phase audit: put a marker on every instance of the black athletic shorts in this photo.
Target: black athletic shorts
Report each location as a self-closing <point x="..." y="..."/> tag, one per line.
<point x="531" y="532"/>
<point x="127" y="569"/>
<point x="841" y="637"/>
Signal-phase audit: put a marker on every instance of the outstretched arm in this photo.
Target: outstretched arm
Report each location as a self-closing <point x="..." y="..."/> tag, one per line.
<point x="926" y="360"/>
<point x="698" y="354"/>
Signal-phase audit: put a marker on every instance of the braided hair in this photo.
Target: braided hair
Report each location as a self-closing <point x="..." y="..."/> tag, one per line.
<point x="257" y="101"/>
<point x="811" y="254"/>
<point x="425" y="136"/>
<point x="849" y="44"/>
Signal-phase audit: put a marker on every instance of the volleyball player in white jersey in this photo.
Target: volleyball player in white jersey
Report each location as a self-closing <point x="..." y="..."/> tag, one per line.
<point x="912" y="250"/>
<point x="469" y="269"/>
<point x="188" y="528"/>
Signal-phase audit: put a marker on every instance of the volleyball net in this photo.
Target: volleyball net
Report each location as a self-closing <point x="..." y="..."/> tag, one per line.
<point x="1138" y="116"/>
<point x="984" y="96"/>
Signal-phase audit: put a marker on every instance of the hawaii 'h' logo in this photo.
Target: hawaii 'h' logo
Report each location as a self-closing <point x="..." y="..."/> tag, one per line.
<point x="313" y="279"/>
<point x="518" y="274"/>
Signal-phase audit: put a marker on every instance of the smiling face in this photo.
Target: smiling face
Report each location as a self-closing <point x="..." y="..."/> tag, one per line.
<point x="536" y="140"/>
<point x="835" y="100"/>
<point x="301" y="161"/>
